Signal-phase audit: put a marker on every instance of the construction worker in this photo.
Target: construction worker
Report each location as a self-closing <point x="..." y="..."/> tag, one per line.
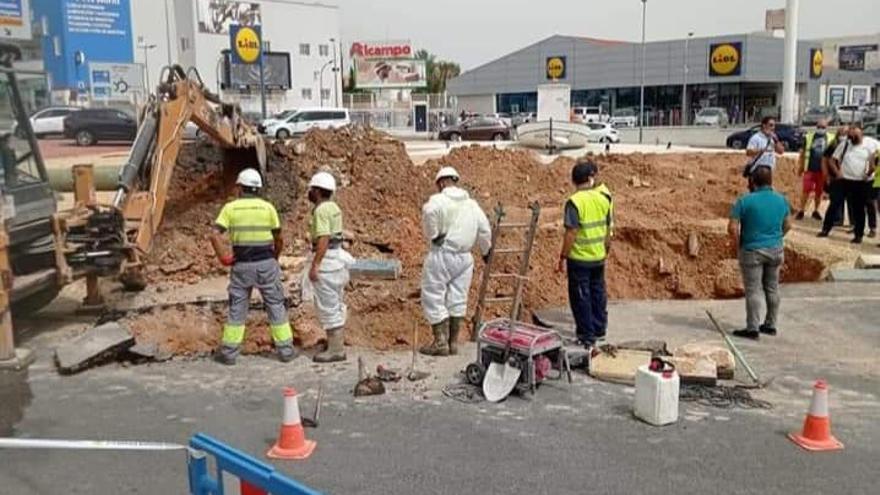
<point x="328" y="265"/>
<point x="255" y="231"/>
<point x="453" y="222"/>
<point x="811" y="166"/>
<point x="588" y="225"/>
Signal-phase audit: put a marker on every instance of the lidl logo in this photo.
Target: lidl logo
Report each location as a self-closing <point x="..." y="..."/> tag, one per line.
<point x="555" y="68"/>
<point x="245" y="41"/>
<point x="725" y="59"/>
<point x="817" y="61"/>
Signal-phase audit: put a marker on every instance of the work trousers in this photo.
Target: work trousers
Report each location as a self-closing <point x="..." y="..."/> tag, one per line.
<point x="265" y="276"/>
<point x="760" y="272"/>
<point x="588" y="300"/>
<point x="857" y="193"/>
<point x="446" y="280"/>
<point x="329" y="291"/>
<point x="834" y="214"/>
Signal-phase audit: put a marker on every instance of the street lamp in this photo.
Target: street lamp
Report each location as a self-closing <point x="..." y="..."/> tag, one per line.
<point x="321" y="83"/>
<point x="684" y="89"/>
<point x="143" y="45"/>
<point x="336" y="70"/>
<point x="642" y="86"/>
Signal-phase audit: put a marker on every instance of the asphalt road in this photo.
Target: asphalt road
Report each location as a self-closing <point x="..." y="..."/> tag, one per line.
<point x="569" y="439"/>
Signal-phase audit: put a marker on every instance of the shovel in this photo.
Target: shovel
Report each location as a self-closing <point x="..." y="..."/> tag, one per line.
<point x="501" y="378"/>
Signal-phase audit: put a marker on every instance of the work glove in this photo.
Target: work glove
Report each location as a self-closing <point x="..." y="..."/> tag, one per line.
<point x="227" y="260"/>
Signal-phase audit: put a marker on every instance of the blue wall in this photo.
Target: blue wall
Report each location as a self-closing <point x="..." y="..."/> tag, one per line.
<point x="98" y="29"/>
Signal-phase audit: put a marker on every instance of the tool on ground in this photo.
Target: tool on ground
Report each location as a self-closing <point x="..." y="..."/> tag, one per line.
<point x="387" y="374"/>
<point x="816" y="435"/>
<point x="367" y="384"/>
<point x="291" y="443"/>
<point x="414" y="375"/>
<point x="313" y="421"/>
<point x="757" y="383"/>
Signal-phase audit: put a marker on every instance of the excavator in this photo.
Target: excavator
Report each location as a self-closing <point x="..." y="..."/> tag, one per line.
<point x="42" y="249"/>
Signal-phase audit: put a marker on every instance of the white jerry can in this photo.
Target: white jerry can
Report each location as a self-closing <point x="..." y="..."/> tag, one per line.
<point x="656" y="400"/>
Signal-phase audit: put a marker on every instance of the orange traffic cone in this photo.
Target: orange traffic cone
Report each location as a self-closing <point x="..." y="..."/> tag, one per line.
<point x="817" y="427"/>
<point x="292" y="443"/>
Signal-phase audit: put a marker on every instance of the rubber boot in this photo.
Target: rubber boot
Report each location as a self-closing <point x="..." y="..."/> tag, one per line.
<point x="335" y="348"/>
<point x="285" y="351"/>
<point x="454" y="330"/>
<point x="226" y="354"/>
<point x="440" y="346"/>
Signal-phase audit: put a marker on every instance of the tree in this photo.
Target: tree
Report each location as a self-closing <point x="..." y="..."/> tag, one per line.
<point x="437" y="72"/>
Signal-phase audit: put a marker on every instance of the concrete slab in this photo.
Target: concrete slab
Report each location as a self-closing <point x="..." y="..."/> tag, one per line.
<point x="868" y="261"/>
<point x="620" y="367"/>
<point x="854" y="275"/>
<point x="91" y="346"/>
<point x="376" y="269"/>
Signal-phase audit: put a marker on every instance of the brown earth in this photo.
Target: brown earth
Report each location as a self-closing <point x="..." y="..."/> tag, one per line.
<point x="660" y="201"/>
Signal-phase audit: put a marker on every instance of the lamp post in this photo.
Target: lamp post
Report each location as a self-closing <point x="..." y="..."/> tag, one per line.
<point x="642" y="85"/>
<point x="789" y="63"/>
<point x="684" y="89"/>
<point x="321" y="83"/>
<point x="335" y="76"/>
<point x="143" y="45"/>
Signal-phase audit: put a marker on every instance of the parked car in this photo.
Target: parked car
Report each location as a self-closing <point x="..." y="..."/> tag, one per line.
<point x="713" y="116"/>
<point x="275" y="119"/>
<point x="813" y="115"/>
<point x="47" y="121"/>
<point x="477" y="129"/>
<point x="589" y="114"/>
<point x="624" y="117"/>
<point x="850" y="113"/>
<point x="503" y="117"/>
<point x="792" y="137"/>
<point x="602" y="132"/>
<point x="90" y="125"/>
<point x="307" y="118"/>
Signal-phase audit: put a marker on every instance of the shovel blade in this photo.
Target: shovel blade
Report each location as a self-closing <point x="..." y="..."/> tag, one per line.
<point x="500" y="380"/>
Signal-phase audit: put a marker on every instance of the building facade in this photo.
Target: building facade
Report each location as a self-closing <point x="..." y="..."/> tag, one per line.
<point x="741" y="73"/>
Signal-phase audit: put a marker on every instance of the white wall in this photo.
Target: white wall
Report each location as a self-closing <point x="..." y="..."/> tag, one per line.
<point x="286" y="24"/>
<point x="477" y="103"/>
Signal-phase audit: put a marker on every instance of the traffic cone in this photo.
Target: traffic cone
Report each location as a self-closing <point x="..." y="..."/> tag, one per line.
<point x="816" y="435"/>
<point x="292" y="443"/>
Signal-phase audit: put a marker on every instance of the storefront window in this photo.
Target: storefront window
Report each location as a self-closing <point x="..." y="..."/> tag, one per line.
<point x="516" y="102"/>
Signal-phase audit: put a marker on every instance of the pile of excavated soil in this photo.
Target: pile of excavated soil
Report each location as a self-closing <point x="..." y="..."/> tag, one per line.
<point x="660" y="201"/>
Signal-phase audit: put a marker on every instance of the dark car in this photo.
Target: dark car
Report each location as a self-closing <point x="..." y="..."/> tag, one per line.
<point x="88" y="126"/>
<point x="792" y="137"/>
<point x="814" y="114"/>
<point x="477" y="129"/>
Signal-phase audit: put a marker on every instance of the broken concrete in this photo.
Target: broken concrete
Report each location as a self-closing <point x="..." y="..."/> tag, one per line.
<point x="696" y="370"/>
<point x="92" y="347"/>
<point x="620" y="366"/>
<point x="854" y="275"/>
<point x="717" y="353"/>
<point x="376" y="269"/>
<point x="869" y="261"/>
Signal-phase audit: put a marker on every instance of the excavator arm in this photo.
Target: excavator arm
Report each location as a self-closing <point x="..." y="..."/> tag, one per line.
<point x="115" y="239"/>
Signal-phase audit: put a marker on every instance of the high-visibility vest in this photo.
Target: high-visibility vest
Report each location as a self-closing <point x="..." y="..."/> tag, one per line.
<point x="594" y="209"/>
<point x="808" y="146"/>
<point x="249" y="221"/>
<point x="877" y="172"/>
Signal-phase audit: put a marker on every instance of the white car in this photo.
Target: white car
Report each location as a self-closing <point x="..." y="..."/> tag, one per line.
<point x="275" y="119"/>
<point x="589" y="114"/>
<point x="307" y="118"/>
<point x="602" y="132"/>
<point x="48" y="121"/>
<point x="712" y="116"/>
<point x="625" y="117"/>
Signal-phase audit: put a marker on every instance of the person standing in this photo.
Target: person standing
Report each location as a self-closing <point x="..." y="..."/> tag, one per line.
<point x="762" y="148"/>
<point x="855" y="160"/>
<point x="254" y="228"/>
<point x="588" y="221"/>
<point x="452" y="223"/>
<point x="834" y="183"/>
<point x="758" y="222"/>
<point x="810" y="167"/>
<point x="329" y="265"/>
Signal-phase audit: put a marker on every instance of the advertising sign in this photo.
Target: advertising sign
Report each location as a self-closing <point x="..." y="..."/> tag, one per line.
<point x="817" y="61"/>
<point x="837" y="96"/>
<point x="725" y="59"/>
<point x="245" y="43"/>
<point x="106" y="18"/>
<point x="555" y="68"/>
<point x="774" y="19"/>
<point x="216" y="16"/>
<point x="372" y="50"/>
<point x="391" y="73"/>
<point x="853" y="57"/>
<point x="15" y="19"/>
<point x="117" y="82"/>
<point x="276" y="69"/>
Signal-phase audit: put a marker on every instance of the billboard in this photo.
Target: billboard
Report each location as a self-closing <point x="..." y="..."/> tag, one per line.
<point x="390" y="73"/>
<point x="853" y="57"/>
<point x="381" y="49"/>
<point x="725" y="59"/>
<point x="276" y="72"/>
<point x="15" y="19"/>
<point x="774" y="19"/>
<point x="215" y="16"/>
<point x="116" y="81"/>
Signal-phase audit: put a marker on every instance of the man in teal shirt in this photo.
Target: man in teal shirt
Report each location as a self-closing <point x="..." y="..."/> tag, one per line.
<point x="758" y="222"/>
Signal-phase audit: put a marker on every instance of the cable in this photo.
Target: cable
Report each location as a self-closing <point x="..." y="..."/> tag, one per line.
<point x="722" y="397"/>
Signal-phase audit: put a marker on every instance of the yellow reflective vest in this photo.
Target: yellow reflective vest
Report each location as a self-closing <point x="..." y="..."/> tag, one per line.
<point x="595" y="209"/>
<point x="249" y="221"/>
<point x="808" y="146"/>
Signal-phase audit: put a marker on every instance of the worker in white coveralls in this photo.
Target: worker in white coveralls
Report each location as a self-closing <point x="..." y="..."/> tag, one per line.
<point x="328" y="266"/>
<point x="254" y="228"/>
<point x="453" y="223"/>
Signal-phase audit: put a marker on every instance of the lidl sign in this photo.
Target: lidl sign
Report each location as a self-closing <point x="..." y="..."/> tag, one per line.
<point x="725" y="59"/>
<point x="245" y="43"/>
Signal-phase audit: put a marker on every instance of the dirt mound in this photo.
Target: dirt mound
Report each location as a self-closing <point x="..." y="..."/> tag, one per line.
<point x="661" y="200"/>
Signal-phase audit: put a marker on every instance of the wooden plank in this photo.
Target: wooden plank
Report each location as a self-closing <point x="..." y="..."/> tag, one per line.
<point x="620" y="367"/>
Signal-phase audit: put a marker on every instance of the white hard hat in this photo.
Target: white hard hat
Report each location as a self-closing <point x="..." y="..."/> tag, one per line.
<point x="447" y="172"/>
<point x="323" y="180"/>
<point x="250" y="178"/>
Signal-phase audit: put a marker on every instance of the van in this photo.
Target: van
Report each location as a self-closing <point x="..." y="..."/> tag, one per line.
<point x="307" y="118"/>
<point x="589" y="114"/>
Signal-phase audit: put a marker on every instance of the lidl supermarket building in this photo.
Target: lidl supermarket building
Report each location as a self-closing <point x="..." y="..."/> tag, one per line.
<point x="741" y="73"/>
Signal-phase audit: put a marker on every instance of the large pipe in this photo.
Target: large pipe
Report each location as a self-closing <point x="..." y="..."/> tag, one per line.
<point x="789" y="65"/>
<point x="106" y="178"/>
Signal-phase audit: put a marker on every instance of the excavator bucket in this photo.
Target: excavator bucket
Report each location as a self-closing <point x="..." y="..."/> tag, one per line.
<point x="237" y="159"/>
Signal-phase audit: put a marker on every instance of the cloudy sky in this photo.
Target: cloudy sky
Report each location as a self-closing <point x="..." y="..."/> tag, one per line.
<point x="472" y="32"/>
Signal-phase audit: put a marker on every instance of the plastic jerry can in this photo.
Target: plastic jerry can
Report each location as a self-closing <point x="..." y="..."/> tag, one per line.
<point x="656" y="400"/>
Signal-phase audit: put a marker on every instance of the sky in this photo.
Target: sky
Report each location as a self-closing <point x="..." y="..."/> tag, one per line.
<point x="473" y="32"/>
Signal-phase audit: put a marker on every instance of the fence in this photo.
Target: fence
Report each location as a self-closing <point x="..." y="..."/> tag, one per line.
<point x="396" y="113"/>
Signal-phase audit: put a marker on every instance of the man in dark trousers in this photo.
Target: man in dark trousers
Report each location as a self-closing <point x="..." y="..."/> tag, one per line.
<point x="588" y="225"/>
<point x="834" y="183"/>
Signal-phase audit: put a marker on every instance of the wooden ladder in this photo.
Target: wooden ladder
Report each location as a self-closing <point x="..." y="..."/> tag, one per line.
<point x="520" y="278"/>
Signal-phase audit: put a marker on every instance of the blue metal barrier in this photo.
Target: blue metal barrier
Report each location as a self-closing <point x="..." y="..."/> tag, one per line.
<point x="257" y="477"/>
